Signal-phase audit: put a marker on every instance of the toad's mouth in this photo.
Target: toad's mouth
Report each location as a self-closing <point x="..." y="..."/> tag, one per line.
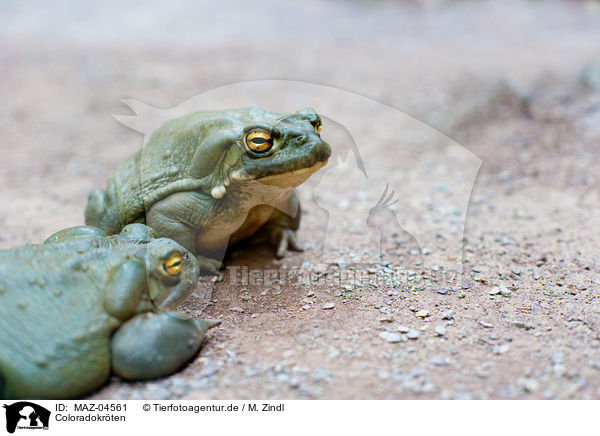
<point x="293" y="178"/>
<point x="285" y="179"/>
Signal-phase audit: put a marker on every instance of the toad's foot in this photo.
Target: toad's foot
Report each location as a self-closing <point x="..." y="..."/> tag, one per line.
<point x="282" y="239"/>
<point x="209" y="266"/>
<point x="152" y="345"/>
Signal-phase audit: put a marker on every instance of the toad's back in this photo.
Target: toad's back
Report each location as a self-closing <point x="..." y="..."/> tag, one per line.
<point x="54" y="334"/>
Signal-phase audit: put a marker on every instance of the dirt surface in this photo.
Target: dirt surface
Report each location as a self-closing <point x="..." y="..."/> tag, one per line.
<point x="508" y="85"/>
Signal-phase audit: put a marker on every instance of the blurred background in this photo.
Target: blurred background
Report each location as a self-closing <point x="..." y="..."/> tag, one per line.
<point x="516" y="83"/>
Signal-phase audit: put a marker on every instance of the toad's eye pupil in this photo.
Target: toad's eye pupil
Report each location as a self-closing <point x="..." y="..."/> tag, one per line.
<point x="174" y="264"/>
<point x="259" y="141"/>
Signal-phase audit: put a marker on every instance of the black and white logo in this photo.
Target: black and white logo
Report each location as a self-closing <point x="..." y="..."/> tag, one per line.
<point x="26" y="415"/>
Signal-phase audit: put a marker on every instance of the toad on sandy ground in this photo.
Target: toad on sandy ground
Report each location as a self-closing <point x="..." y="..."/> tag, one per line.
<point x="82" y="303"/>
<point x="210" y="179"/>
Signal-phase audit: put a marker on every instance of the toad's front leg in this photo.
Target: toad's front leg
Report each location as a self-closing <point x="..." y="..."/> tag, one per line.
<point x="178" y="217"/>
<point x="280" y="229"/>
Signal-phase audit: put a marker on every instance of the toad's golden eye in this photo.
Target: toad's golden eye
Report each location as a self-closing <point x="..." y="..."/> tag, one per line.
<point x="318" y="126"/>
<point x="173" y="264"/>
<point x="259" y="141"/>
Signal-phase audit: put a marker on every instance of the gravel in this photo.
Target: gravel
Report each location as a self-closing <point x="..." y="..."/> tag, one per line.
<point x="528" y="385"/>
<point x="522" y="325"/>
<point x="412" y="334"/>
<point x="448" y="315"/>
<point x="439" y="330"/>
<point x="557" y="358"/>
<point x="438" y="361"/>
<point x="500" y="349"/>
<point x="209" y="369"/>
<point x="504" y="291"/>
<point x="391" y="337"/>
<point x="495" y="290"/>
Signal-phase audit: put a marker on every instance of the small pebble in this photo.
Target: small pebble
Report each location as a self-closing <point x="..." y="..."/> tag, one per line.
<point x="403" y="329"/>
<point x="209" y="369"/>
<point x="448" y="314"/>
<point x="495" y="290"/>
<point x="333" y="352"/>
<point x="504" y="291"/>
<point x="594" y="364"/>
<point x="412" y="334"/>
<point x="321" y="375"/>
<point x="439" y="330"/>
<point x="500" y="349"/>
<point x="527" y="384"/>
<point x="328" y="306"/>
<point x="522" y="325"/>
<point x="559" y="369"/>
<point x="438" y="361"/>
<point x="487" y="325"/>
<point x="237" y="309"/>
<point x="391" y="337"/>
<point x="422" y="313"/>
<point x="442" y="291"/>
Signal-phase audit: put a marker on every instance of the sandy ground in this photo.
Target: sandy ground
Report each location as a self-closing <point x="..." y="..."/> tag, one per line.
<point x="499" y="179"/>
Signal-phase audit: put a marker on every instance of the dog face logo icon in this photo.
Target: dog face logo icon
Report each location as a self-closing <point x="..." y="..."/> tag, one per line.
<point x="26" y="415"/>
